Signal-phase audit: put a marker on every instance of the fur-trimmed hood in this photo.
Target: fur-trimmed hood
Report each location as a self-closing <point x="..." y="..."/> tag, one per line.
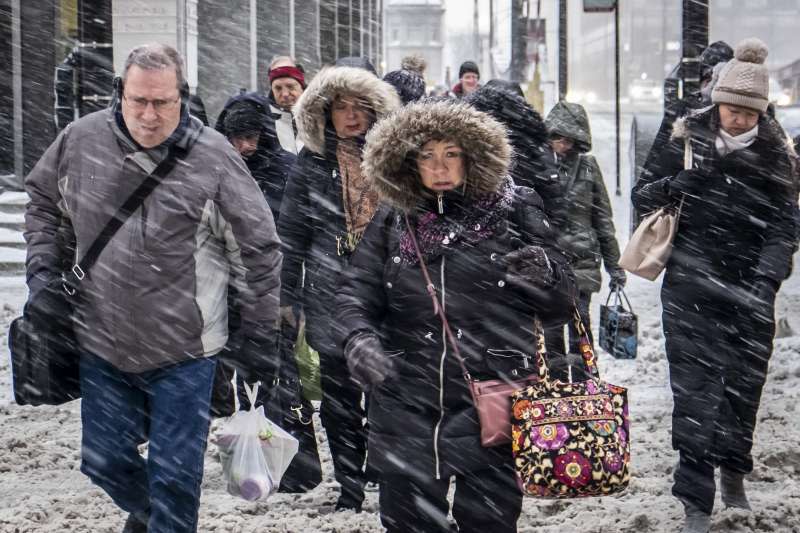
<point x="392" y="144"/>
<point x="705" y="121"/>
<point x="312" y="109"/>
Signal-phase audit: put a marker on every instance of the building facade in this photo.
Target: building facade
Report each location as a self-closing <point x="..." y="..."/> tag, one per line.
<point x="416" y="27"/>
<point x="227" y="46"/>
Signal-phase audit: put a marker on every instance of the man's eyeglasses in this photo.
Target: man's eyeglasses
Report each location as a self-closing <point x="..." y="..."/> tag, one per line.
<point x="140" y="104"/>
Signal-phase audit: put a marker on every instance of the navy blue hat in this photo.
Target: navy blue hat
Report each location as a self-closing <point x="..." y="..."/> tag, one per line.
<point x="409" y="81"/>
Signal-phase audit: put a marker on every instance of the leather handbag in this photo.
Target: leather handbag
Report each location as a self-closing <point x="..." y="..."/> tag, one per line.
<point x="45" y="357"/>
<point x="618" y="326"/>
<point x="571" y="439"/>
<point x="650" y="246"/>
<point x="491" y="397"/>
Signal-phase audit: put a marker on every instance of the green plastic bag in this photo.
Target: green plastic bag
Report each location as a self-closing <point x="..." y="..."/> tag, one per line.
<point x="308" y="366"/>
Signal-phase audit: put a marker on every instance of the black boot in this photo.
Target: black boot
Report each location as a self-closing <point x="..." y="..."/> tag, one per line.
<point x="134" y="525"/>
<point x="696" y="521"/>
<point x="731" y="486"/>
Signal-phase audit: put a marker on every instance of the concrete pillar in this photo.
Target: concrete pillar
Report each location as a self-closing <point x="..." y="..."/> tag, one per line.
<point x="6" y="92"/>
<point x="224" y="48"/>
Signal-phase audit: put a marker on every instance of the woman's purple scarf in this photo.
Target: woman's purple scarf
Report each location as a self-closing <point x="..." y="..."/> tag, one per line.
<point x="474" y="222"/>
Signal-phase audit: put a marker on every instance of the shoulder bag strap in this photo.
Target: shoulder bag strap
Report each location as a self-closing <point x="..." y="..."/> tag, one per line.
<point x="73" y="278"/>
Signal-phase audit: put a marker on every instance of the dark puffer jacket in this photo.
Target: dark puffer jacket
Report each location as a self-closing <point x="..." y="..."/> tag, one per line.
<point x="533" y="164"/>
<point x="312" y="225"/>
<point x="586" y="223"/>
<point x="422" y="420"/>
<point x="742" y="226"/>
<point x="270" y="164"/>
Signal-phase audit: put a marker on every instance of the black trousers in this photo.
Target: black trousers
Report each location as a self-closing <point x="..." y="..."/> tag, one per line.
<point x="484" y="501"/>
<point x="555" y="341"/>
<point x="718" y="359"/>
<point x="343" y="417"/>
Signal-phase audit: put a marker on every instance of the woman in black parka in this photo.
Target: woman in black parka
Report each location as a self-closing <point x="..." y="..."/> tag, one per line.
<point x="491" y="256"/>
<point x="732" y="250"/>
<point x="325" y="209"/>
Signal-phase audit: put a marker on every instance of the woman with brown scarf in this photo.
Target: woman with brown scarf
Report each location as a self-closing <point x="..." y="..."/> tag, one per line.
<point x="326" y="208"/>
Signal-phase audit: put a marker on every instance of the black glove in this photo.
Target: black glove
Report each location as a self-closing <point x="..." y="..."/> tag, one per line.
<point x="530" y="265"/>
<point x="763" y="294"/>
<point x="47" y="306"/>
<point x="691" y="182"/>
<point x="257" y="360"/>
<point x="618" y="279"/>
<point x="366" y="360"/>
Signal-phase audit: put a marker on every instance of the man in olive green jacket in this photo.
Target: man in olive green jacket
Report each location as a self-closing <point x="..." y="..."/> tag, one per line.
<point x="585" y="224"/>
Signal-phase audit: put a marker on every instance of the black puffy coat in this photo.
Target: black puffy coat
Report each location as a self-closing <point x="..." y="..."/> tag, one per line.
<point x="270" y="164"/>
<point x="312" y="226"/>
<point x="533" y="164"/>
<point x="423" y="420"/>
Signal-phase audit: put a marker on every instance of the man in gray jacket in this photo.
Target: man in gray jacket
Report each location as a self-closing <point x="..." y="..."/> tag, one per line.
<point x="152" y="312"/>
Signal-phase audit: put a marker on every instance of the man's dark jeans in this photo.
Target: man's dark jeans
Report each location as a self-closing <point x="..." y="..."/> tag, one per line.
<point x="167" y="406"/>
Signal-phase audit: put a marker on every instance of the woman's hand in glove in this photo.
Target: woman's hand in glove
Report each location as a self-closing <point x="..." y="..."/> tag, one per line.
<point x="530" y="265"/>
<point x="618" y="279"/>
<point x="691" y="182"/>
<point x="366" y="360"/>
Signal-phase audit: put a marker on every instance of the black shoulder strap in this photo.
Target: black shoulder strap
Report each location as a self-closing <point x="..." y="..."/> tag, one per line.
<point x="73" y="278"/>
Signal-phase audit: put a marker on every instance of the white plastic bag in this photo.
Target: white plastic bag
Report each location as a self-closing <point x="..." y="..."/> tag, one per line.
<point x="255" y="452"/>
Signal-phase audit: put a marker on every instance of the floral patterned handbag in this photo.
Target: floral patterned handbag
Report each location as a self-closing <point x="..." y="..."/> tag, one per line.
<point x="571" y="440"/>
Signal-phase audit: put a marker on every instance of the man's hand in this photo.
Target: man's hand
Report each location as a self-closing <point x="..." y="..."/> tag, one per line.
<point x="367" y="362"/>
<point x="287" y="316"/>
<point x="257" y="360"/>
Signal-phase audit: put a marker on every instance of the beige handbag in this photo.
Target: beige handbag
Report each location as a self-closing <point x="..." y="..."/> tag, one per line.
<point x="650" y="246"/>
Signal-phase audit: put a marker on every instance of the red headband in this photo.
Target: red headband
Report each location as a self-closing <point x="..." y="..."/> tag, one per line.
<point x="288" y="72"/>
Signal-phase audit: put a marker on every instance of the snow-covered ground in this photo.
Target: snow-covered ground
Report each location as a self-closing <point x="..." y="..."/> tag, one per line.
<point x="42" y="490"/>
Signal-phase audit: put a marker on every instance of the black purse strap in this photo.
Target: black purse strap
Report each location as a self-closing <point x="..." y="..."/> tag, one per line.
<point x="72" y="279"/>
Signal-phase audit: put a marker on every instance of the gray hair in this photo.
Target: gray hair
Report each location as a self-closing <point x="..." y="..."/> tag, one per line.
<point x="155" y="56"/>
<point x="280" y="59"/>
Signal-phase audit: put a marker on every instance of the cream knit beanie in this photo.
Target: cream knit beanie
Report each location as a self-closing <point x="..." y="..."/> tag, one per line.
<point x="744" y="80"/>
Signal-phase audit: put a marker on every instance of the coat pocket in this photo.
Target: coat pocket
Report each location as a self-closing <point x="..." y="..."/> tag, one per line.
<point x="509" y="363"/>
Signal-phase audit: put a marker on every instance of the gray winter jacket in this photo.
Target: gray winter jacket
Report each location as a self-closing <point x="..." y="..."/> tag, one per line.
<point x="157" y="294"/>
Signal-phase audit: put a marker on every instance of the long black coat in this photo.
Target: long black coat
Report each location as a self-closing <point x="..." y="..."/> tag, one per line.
<point x="718" y="337"/>
<point x="423" y="419"/>
<point x="312" y="229"/>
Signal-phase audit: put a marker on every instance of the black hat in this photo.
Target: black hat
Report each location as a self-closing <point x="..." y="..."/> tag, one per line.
<point x="716" y="52"/>
<point x="357" y="62"/>
<point x="408" y="81"/>
<point x="468" y="66"/>
<point x="243" y="120"/>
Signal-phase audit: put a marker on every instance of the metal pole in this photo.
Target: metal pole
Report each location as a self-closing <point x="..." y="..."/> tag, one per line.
<point x="291" y="29"/>
<point x="616" y="100"/>
<point x="253" y="46"/>
<point x="562" y="49"/>
<point x="491" y="39"/>
<point x="16" y="60"/>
